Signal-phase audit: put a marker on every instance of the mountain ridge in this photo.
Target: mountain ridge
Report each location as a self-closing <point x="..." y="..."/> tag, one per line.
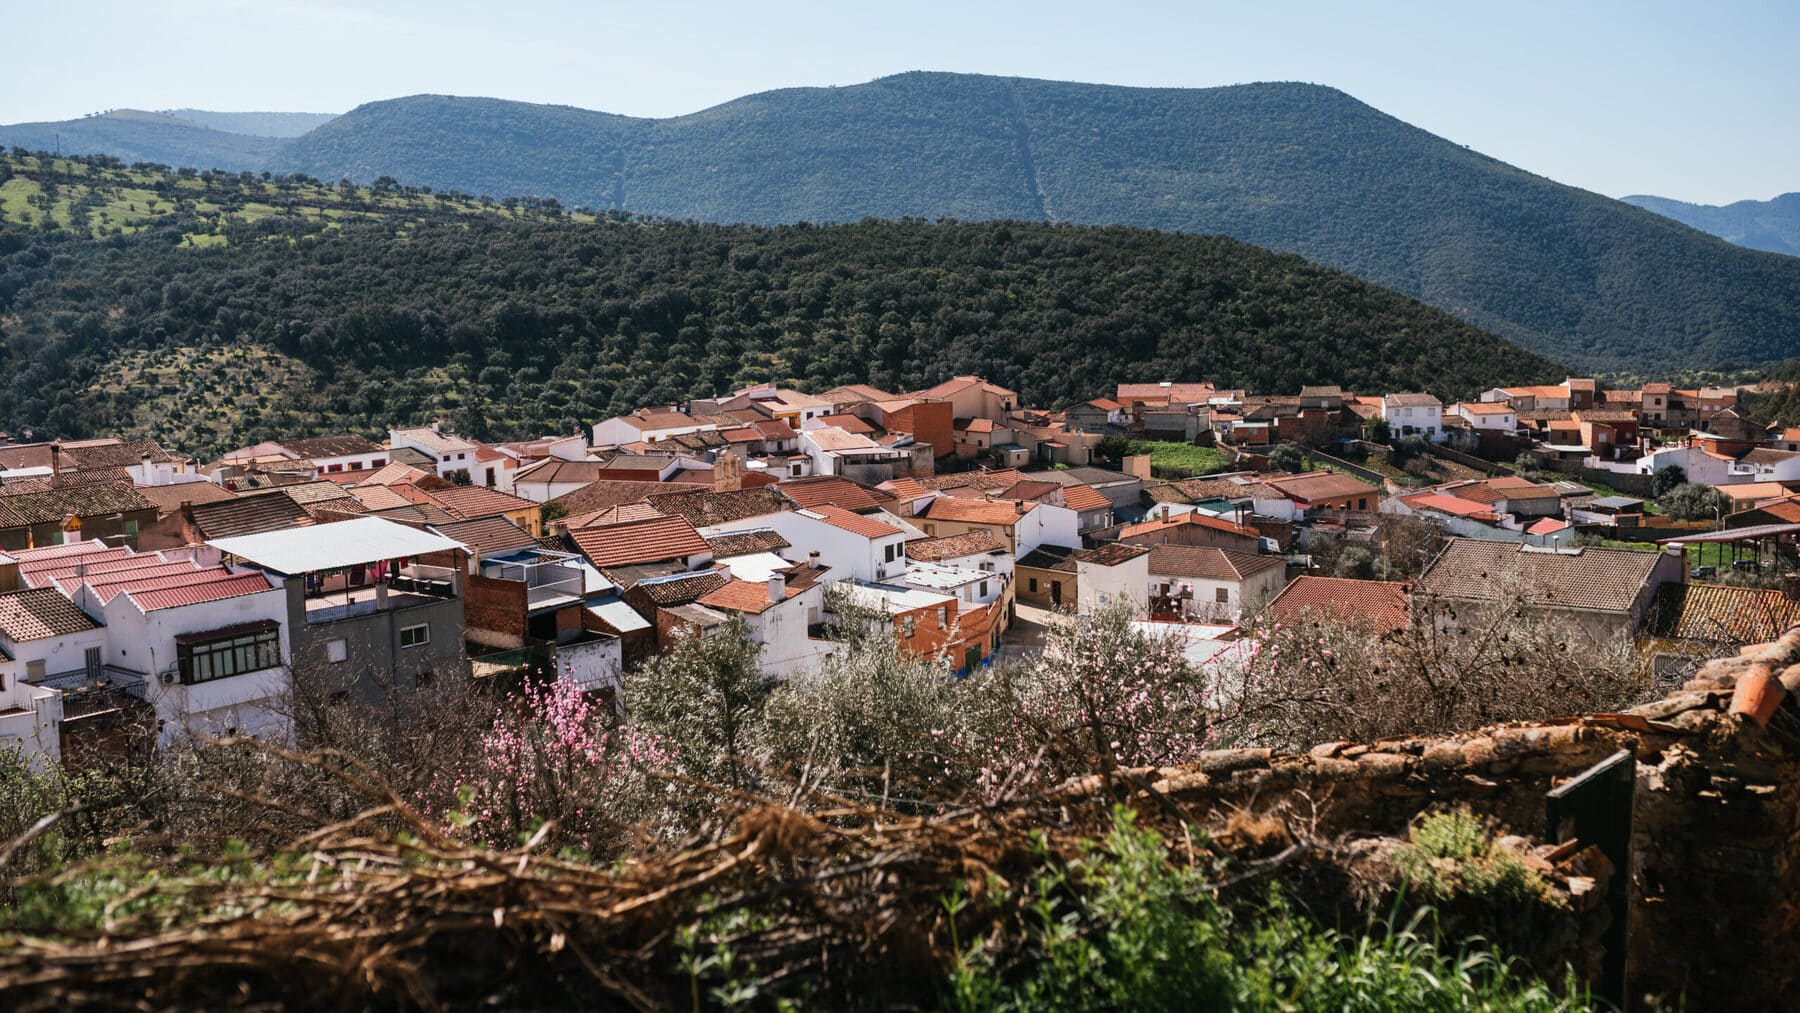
<point x="1771" y="225"/>
<point x="1288" y="166"/>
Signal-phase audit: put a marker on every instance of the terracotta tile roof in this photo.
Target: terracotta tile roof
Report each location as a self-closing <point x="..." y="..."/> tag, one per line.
<point x="1379" y="606"/>
<point x="40" y="572"/>
<point x="1589" y="578"/>
<point x="1331" y="485"/>
<point x="249" y="515"/>
<point x="866" y="525"/>
<point x="1716" y="613"/>
<point x="1208" y="563"/>
<point x="347" y="445"/>
<point x="1129" y="392"/>
<point x="983" y="480"/>
<point x="904" y="488"/>
<point x="1033" y="489"/>
<point x="488" y="535"/>
<point x="704" y="507"/>
<point x="1196" y="518"/>
<point x="856" y="393"/>
<point x="181" y="574"/>
<point x="105" y="578"/>
<point x="848" y="423"/>
<point x="1454" y="505"/>
<point x="969" y="543"/>
<point x="974" y="425"/>
<point x="1485" y="408"/>
<point x="1060" y="558"/>
<point x="834" y="490"/>
<point x="82" y="501"/>
<point x="64" y="480"/>
<point x="624" y="513"/>
<point x="38" y="614"/>
<point x="1768" y="455"/>
<point x="600" y="495"/>
<point x="217" y="589"/>
<point x="85" y="456"/>
<point x="960" y="383"/>
<point x="679" y="589"/>
<point x="387" y="474"/>
<point x="383" y="497"/>
<point x="170" y="497"/>
<point x="977" y="511"/>
<point x="1214" y="487"/>
<point x="433" y="440"/>
<point x="555" y="470"/>
<point x="1110" y="554"/>
<point x="640" y="542"/>
<point x="1082" y="498"/>
<point x="750" y="597"/>
<point x="830" y="440"/>
<point x="743" y="543"/>
<point x="472" y="502"/>
<point x="1546" y="526"/>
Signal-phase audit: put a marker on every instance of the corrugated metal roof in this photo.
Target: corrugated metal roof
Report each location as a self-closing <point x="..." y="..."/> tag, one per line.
<point x="334" y="546"/>
<point x="216" y="589"/>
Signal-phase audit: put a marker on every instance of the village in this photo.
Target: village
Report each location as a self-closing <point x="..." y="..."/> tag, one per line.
<point x="146" y="596"/>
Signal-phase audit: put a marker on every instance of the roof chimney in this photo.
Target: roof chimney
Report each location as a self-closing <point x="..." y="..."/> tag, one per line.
<point x="812" y="559"/>
<point x="437" y="425"/>
<point x="777" y="588"/>
<point x="55" y="456"/>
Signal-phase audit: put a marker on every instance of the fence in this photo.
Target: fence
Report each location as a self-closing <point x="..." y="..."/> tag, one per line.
<point x="1624" y="481"/>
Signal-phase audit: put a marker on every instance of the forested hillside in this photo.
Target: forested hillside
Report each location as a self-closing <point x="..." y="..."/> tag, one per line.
<point x="257" y="306"/>
<point x="133" y="135"/>
<point x="1293" y="167"/>
<point x="1772" y="225"/>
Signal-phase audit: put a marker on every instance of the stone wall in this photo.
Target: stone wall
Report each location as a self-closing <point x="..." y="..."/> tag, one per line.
<point x="1714" y="888"/>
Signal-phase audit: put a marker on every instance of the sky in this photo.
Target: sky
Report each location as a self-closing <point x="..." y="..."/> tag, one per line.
<point x="1697" y="101"/>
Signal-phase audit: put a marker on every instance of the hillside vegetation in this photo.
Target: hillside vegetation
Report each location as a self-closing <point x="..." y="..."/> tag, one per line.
<point x="234" y="307"/>
<point x="1294" y="167"/>
<point x="1772" y="225"/>
<point x="134" y="135"/>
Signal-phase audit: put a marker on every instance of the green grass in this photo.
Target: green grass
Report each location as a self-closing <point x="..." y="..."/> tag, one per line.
<point x="1184" y="456"/>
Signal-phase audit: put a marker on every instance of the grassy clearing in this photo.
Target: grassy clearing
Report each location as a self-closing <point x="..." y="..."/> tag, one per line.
<point x="1184" y="456"/>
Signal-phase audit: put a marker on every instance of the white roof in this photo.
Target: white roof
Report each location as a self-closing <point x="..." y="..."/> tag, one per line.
<point x="754" y="566"/>
<point x="333" y="546"/>
<point x="893" y="599"/>
<point x="620" y="616"/>
<point x="934" y="575"/>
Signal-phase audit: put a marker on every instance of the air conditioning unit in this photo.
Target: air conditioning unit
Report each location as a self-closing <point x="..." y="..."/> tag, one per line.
<point x="169" y="678"/>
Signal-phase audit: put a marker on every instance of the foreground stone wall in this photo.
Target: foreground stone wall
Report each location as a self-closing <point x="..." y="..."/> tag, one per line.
<point x="1714" y="883"/>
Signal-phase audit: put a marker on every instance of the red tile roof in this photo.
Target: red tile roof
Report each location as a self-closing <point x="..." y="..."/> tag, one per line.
<point x="640" y="542"/>
<point x="1082" y="498"/>
<point x="39" y="614"/>
<point x="473" y="502"/>
<point x="969" y="543"/>
<point x="857" y="524"/>
<point x="1379" y="606"/>
<point x="1207" y="563"/>
<point x="217" y="589"/>
<point x="1196" y="518"/>
<point x="976" y="511"/>
<point x="834" y="490"/>
<point x="746" y="596"/>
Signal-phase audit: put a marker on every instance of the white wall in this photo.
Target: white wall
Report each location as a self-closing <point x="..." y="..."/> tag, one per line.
<point x="145" y="642"/>
<point x="1098" y="585"/>
<point x="849" y="555"/>
<point x="1045" y="524"/>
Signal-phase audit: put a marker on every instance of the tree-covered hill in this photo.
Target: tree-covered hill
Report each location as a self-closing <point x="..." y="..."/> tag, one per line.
<point x="257" y="124"/>
<point x="257" y="306"/>
<point x="1293" y="167"/>
<point x="133" y="135"/>
<point x="1772" y="225"/>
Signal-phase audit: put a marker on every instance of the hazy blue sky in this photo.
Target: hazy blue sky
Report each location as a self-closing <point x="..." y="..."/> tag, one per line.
<point x="1699" y="101"/>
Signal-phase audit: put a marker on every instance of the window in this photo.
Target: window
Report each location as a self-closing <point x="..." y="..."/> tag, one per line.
<point x="413" y="636"/>
<point x="337" y="651"/>
<point x="892" y="551"/>
<point x="92" y="660"/>
<point x="984" y="589"/>
<point x="34" y="670"/>
<point x="1034" y="585"/>
<point x="943" y="617"/>
<point x="908" y="626"/>
<point x="1222" y="595"/>
<point x="129" y="529"/>
<point x="252" y="650"/>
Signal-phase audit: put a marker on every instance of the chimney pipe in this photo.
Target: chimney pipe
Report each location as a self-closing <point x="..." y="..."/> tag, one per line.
<point x="812" y="559"/>
<point x="777" y="588"/>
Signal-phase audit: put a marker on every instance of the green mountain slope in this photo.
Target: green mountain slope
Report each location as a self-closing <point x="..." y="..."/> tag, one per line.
<point x="249" y="307"/>
<point x="133" y="135"/>
<point x="1287" y="166"/>
<point x="1772" y="225"/>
